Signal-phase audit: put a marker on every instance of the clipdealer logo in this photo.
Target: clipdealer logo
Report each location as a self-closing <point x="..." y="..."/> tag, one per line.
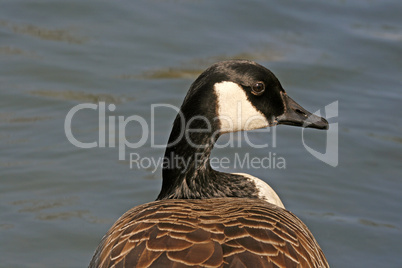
<point x="107" y="136"/>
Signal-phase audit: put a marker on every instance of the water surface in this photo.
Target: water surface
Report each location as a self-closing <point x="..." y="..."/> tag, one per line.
<point x="57" y="200"/>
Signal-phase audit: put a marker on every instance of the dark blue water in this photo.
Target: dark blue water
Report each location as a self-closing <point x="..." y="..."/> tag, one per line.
<point x="58" y="200"/>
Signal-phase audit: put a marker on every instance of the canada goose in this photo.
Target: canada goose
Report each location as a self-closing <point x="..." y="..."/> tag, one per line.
<point x="206" y="218"/>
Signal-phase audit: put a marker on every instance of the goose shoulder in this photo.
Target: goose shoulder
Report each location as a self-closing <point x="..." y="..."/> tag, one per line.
<point x="209" y="233"/>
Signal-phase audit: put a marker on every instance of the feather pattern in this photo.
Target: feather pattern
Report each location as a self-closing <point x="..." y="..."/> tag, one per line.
<point x="220" y="232"/>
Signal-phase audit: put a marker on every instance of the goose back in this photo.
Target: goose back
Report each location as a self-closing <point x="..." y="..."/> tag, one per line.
<point x="219" y="232"/>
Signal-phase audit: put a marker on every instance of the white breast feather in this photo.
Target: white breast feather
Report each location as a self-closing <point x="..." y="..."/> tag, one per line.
<point x="265" y="191"/>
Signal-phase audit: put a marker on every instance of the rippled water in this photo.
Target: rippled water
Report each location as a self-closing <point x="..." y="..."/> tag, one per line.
<point x="57" y="200"/>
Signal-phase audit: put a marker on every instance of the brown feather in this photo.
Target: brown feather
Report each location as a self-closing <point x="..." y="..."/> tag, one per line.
<point x="258" y="234"/>
<point x="195" y="255"/>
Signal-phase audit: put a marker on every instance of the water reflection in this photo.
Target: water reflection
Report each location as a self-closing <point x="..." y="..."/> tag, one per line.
<point x="61" y="35"/>
<point x="65" y="209"/>
<point x="81" y="96"/>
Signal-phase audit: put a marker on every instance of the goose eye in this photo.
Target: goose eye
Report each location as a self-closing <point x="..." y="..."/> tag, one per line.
<point x="258" y="88"/>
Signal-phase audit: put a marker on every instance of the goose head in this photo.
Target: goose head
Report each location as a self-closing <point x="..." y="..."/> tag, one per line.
<point x="240" y="95"/>
<point x="229" y="96"/>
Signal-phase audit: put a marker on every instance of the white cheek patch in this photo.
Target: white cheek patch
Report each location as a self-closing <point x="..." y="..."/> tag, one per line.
<point x="265" y="192"/>
<point x="235" y="112"/>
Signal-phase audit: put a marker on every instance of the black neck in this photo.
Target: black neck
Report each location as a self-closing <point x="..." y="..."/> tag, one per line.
<point x="187" y="173"/>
